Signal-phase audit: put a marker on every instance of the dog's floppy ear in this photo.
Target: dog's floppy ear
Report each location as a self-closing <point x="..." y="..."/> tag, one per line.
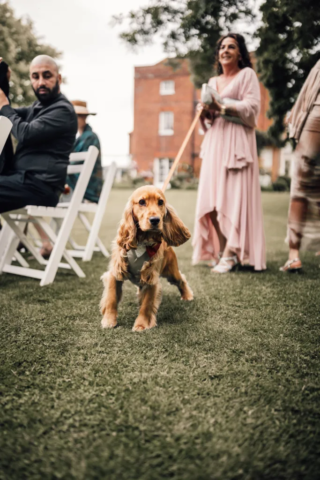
<point x="127" y="230"/>
<point x="175" y="233"/>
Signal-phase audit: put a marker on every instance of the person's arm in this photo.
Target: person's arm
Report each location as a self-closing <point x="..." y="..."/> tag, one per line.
<point x="45" y="127"/>
<point x="4" y="100"/>
<point x="91" y="140"/>
<point x="231" y="111"/>
<point x="22" y="112"/>
<point x="206" y="114"/>
<point x="248" y="107"/>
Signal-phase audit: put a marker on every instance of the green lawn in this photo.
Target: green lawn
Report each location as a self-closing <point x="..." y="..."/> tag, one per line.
<point x="226" y="387"/>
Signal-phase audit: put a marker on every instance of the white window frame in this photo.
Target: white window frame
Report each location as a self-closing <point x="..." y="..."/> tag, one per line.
<point x="161" y="168"/>
<point x="167" y="87"/>
<point x="166" y="123"/>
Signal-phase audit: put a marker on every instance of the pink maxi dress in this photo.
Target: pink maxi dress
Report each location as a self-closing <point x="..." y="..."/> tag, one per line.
<point x="229" y="179"/>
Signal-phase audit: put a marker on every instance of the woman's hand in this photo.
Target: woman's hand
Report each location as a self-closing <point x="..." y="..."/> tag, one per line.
<point x="199" y="106"/>
<point x="205" y="113"/>
<point x="215" y="105"/>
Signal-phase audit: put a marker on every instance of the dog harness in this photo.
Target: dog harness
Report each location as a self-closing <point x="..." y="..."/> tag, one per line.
<point x="136" y="259"/>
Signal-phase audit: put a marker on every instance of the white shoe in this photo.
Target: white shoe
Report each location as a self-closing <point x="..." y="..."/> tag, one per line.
<point x="213" y="263"/>
<point x="224" y="266"/>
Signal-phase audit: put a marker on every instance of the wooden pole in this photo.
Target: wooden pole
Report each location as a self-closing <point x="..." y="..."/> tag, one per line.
<point x="183" y="146"/>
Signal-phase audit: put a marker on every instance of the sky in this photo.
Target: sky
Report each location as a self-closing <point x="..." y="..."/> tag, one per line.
<point x="97" y="65"/>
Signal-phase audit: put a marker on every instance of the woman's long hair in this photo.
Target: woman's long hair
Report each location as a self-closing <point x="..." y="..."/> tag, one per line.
<point x="245" y="57"/>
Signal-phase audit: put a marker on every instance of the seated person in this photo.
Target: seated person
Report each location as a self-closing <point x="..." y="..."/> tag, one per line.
<point x="45" y="132"/>
<point x="85" y="138"/>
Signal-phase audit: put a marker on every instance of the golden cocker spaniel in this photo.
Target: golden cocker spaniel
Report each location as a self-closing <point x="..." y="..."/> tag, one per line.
<point x="142" y="253"/>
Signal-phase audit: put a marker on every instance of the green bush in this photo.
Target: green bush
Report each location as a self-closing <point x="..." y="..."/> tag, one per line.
<point x="286" y="179"/>
<point x="128" y="182"/>
<point x="139" y="181"/>
<point x="280" y="185"/>
<point x="269" y="188"/>
<point x="193" y="185"/>
<point x="184" y="182"/>
<point x="176" y="183"/>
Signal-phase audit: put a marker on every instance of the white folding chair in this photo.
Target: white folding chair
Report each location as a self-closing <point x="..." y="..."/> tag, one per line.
<point x="12" y="232"/>
<point x="94" y="244"/>
<point x="5" y="129"/>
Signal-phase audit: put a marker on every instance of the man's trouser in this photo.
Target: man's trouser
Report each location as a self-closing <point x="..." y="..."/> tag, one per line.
<point x="22" y="188"/>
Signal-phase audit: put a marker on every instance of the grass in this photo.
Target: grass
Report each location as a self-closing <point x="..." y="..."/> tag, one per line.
<point x="227" y="387"/>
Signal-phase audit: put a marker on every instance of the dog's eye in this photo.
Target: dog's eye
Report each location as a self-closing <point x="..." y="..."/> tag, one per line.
<point x="142" y="202"/>
<point x="160" y="202"/>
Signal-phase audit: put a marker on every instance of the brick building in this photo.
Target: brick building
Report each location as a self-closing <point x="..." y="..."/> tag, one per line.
<point x="164" y="107"/>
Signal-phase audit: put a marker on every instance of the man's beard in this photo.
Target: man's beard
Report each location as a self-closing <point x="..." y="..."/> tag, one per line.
<point x="49" y="95"/>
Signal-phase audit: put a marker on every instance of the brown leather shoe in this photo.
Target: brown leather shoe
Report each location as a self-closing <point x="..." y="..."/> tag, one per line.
<point x="294" y="265"/>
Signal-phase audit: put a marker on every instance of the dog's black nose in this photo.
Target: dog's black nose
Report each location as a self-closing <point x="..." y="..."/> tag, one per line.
<point x="154" y="221"/>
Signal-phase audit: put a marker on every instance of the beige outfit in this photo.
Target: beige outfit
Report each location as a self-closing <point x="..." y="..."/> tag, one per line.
<point x="307" y="98"/>
<point x="304" y="230"/>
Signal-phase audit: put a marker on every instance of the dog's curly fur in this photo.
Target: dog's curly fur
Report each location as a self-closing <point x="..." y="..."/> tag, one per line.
<point x="135" y="228"/>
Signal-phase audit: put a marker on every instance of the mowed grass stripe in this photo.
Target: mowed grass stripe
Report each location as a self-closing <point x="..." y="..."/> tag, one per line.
<point x="226" y="387"/>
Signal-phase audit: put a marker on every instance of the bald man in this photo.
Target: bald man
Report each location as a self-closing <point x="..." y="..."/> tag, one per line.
<point x="45" y="132"/>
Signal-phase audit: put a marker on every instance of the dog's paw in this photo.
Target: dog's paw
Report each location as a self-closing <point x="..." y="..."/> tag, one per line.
<point x="139" y="328"/>
<point x="108" y="323"/>
<point x="187" y="295"/>
<point x="142" y="324"/>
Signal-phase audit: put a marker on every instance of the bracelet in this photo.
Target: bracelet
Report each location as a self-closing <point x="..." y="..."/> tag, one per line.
<point x="223" y="110"/>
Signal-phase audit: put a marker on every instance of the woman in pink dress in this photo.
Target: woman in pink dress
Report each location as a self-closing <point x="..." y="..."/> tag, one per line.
<point x="229" y="225"/>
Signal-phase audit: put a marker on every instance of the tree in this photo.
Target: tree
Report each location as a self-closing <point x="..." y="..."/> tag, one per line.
<point x="188" y="28"/>
<point x="19" y="45"/>
<point x="289" y="48"/>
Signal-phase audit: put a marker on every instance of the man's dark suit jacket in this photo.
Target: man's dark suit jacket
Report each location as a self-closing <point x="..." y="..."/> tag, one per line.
<point x="46" y="135"/>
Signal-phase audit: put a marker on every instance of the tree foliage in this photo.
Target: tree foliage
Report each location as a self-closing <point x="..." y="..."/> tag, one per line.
<point x="289" y="48"/>
<point x="18" y="46"/>
<point x="188" y="28"/>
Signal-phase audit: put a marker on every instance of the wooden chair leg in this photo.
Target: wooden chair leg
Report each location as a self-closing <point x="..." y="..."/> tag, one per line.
<point x="56" y="255"/>
<point x="8" y="245"/>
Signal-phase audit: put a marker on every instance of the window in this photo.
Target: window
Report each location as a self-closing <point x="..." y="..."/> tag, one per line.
<point x="166" y="123"/>
<point x="161" y="168"/>
<point x="167" y="87"/>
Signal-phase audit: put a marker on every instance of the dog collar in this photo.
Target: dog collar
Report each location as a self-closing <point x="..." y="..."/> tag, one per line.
<point x="152" y="250"/>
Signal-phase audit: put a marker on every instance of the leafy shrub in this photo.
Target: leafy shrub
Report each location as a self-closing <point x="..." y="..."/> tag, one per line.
<point x="287" y="180"/>
<point x="129" y="182"/>
<point x="185" y="179"/>
<point x="185" y="183"/>
<point x="176" y="183"/>
<point x="193" y="185"/>
<point x="269" y="188"/>
<point x="280" y="185"/>
<point x="139" y="181"/>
